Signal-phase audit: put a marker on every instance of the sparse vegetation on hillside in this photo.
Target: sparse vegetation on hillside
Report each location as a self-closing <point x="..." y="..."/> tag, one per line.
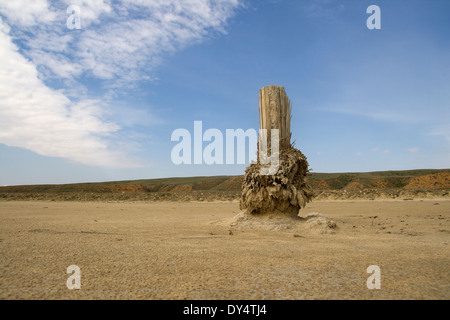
<point x="339" y="185"/>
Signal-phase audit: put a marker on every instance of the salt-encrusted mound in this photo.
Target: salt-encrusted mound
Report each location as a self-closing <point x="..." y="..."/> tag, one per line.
<point x="280" y="221"/>
<point x="320" y="224"/>
<point x="287" y="191"/>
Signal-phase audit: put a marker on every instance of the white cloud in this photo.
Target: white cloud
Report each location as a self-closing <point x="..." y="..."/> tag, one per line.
<point x="323" y="8"/>
<point x="27" y="13"/>
<point x="380" y="115"/>
<point x="441" y="131"/>
<point x="118" y="43"/>
<point x="36" y="117"/>
<point x="91" y="10"/>
<point x="414" y="149"/>
<point x="377" y="149"/>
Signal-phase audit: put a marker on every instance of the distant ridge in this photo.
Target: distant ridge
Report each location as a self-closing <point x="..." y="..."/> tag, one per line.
<point x="229" y="187"/>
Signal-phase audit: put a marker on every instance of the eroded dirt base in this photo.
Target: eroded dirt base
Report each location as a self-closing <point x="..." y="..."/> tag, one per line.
<point x="278" y="221"/>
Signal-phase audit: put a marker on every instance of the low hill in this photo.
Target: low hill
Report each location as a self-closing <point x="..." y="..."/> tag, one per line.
<point x="390" y="184"/>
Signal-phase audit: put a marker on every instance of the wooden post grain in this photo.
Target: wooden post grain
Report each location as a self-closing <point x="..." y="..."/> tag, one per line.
<point x="275" y="113"/>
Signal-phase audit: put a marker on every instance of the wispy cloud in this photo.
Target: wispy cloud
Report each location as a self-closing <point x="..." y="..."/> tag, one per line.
<point x="441" y="131"/>
<point x="323" y="8"/>
<point x="27" y="13"/>
<point x="118" y="44"/>
<point x="36" y="117"/>
<point x="414" y="149"/>
<point x="378" y="114"/>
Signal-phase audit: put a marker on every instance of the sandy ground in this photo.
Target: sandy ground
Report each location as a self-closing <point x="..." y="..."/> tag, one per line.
<point x="171" y="250"/>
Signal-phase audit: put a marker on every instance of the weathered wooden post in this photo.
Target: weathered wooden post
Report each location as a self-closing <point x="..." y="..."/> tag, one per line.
<point x="286" y="190"/>
<point x="275" y="113"/>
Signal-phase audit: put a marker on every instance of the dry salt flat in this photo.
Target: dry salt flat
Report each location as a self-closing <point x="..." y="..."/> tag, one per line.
<point x="174" y="250"/>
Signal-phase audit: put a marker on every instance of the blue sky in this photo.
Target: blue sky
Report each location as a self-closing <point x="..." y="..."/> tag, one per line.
<point x="100" y="103"/>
